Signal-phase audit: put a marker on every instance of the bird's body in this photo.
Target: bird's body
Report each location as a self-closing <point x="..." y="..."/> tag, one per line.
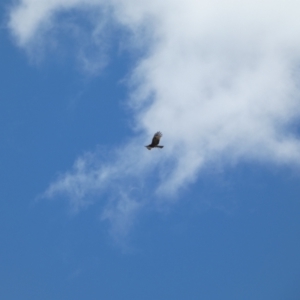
<point x="155" y="141"/>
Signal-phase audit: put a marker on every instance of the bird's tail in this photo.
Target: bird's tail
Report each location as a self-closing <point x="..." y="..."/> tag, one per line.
<point x="148" y="147"/>
<point x="160" y="147"/>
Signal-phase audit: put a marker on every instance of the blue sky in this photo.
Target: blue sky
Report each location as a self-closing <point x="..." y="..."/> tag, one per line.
<point x="87" y="212"/>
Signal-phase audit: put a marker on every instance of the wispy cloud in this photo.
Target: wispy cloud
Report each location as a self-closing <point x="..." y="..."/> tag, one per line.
<point x="119" y="177"/>
<point x="40" y="26"/>
<point x="219" y="79"/>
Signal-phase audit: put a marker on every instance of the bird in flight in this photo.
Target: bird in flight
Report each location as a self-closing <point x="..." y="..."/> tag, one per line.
<point x="155" y="141"/>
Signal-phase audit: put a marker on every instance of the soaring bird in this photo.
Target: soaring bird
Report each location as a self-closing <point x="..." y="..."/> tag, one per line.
<point x="155" y="141"/>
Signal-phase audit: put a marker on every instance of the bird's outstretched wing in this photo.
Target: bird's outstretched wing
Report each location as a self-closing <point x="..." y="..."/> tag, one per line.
<point x="156" y="138"/>
<point x="155" y="141"/>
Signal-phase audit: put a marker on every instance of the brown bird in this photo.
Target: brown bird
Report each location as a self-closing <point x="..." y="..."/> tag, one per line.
<point x="155" y="141"/>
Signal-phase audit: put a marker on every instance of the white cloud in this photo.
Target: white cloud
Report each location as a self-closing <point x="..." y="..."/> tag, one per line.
<point x="219" y="79"/>
<point x="39" y="26"/>
<point x="31" y="17"/>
